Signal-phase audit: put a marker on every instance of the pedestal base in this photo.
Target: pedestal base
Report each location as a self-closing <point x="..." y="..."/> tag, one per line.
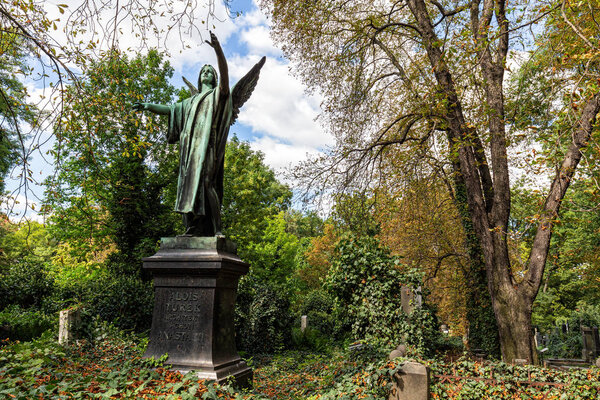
<point x="195" y="285"/>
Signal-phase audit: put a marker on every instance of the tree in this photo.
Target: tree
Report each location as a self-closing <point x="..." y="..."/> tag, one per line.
<point x="421" y="223"/>
<point x="425" y="74"/>
<point x="115" y="182"/>
<point x="251" y="194"/>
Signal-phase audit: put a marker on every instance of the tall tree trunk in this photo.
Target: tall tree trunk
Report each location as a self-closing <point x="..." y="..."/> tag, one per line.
<point x="513" y="314"/>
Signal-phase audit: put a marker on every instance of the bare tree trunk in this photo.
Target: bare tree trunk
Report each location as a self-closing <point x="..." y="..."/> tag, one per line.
<point x="513" y="315"/>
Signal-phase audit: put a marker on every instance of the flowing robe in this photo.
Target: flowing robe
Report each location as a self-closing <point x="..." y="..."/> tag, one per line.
<point x="201" y="125"/>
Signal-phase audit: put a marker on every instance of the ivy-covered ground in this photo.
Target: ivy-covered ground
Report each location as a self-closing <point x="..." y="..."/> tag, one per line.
<point x="114" y="369"/>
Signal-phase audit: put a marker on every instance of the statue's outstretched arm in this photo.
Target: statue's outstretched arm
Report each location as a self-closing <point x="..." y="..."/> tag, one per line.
<point x="155" y="108"/>
<point x="222" y="63"/>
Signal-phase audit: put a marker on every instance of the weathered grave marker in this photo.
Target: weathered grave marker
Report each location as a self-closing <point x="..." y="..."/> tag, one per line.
<point x="411" y="382"/>
<point x="591" y="343"/>
<point x="67" y="322"/>
<point x="303" y="323"/>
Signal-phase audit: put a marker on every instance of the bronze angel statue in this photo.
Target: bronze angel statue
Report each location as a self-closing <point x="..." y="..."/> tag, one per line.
<point x="201" y="125"/>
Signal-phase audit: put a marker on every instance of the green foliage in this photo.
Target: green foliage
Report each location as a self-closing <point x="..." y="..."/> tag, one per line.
<point x="570" y="344"/>
<point x="318" y="306"/>
<point x="323" y="324"/>
<point x="311" y="339"/>
<point x="112" y="367"/>
<point x="354" y="213"/>
<point x="571" y="278"/>
<point x="366" y="282"/>
<point x="21" y="324"/>
<point x="15" y="110"/>
<point x="251" y="193"/>
<point x="25" y="284"/>
<point x="115" y="183"/>
<point x="274" y="256"/>
<point x="28" y="241"/>
<point x="262" y="317"/>
<point x="125" y="301"/>
<point x="253" y="205"/>
<point x="336" y="375"/>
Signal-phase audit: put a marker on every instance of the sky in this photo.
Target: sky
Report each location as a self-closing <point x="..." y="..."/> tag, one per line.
<point x="279" y="119"/>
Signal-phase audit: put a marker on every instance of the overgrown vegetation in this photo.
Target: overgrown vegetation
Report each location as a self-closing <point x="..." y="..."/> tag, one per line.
<point x="111" y="367"/>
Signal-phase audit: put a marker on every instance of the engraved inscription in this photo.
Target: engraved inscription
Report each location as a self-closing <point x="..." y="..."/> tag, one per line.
<point x="181" y="317"/>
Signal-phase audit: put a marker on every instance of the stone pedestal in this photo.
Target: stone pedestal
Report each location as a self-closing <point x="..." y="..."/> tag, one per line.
<point x="195" y="285"/>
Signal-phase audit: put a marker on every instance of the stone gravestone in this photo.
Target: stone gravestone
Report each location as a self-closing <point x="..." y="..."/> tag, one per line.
<point x="195" y="287"/>
<point x="303" y="323"/>
<point x="411" y="382"/>
<point x="591" y="343"/>
<point x="406" y="297"/>
<point x="67" y="322"/>
<point x="410" y="298"/>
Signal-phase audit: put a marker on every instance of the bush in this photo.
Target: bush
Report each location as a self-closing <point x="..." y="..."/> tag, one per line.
<point x="570" y="344"/>
<point x="262" y="318"/>
<point x="366" y="282"/>
<point x="25" y="284"/>
<point x="311" y="339"/>
<point x="21" y="324"/>
<point x="125" y="301"/>
<point x="318" y="306"/>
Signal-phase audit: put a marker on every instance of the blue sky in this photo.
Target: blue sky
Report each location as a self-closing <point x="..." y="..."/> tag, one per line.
<point x="279" y="118"/>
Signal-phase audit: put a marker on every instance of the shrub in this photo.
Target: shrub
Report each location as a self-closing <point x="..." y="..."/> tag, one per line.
<point x="366" y="282"/>
<point x="262" y="318"/>
<point x="25" y="284"/>
<point x="570" y="344"/>
<point x="125" y="301"/>
<point x="21" y="324"/>
<point x="311" y="339"/>
<point x="318" y="306"/>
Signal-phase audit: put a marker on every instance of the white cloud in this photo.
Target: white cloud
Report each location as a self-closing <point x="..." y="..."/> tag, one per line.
<point x="279" y="155"/>
<point x="280" y="114"/>
<point x="279" y="106"/>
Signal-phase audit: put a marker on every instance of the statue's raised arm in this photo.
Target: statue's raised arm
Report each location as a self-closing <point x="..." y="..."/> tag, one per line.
<point x="222" y="64"/>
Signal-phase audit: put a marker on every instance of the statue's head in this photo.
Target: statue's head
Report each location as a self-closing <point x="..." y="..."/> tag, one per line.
<point x="207" y="75"/>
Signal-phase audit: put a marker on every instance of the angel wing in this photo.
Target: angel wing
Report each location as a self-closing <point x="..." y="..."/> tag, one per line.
<point x="191" y="86"/>
<point x="243" y="89"/>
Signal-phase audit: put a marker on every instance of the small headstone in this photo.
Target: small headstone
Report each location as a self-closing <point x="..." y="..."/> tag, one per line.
<point x="411" y="383"/>
<point x="520" y="361"/>
<point x="598" y="362"/>
<point x="303" y="323"/>
<point x="418" y="301"/>
<point x="406" y="297"/>
<point x="67" y="322"/>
